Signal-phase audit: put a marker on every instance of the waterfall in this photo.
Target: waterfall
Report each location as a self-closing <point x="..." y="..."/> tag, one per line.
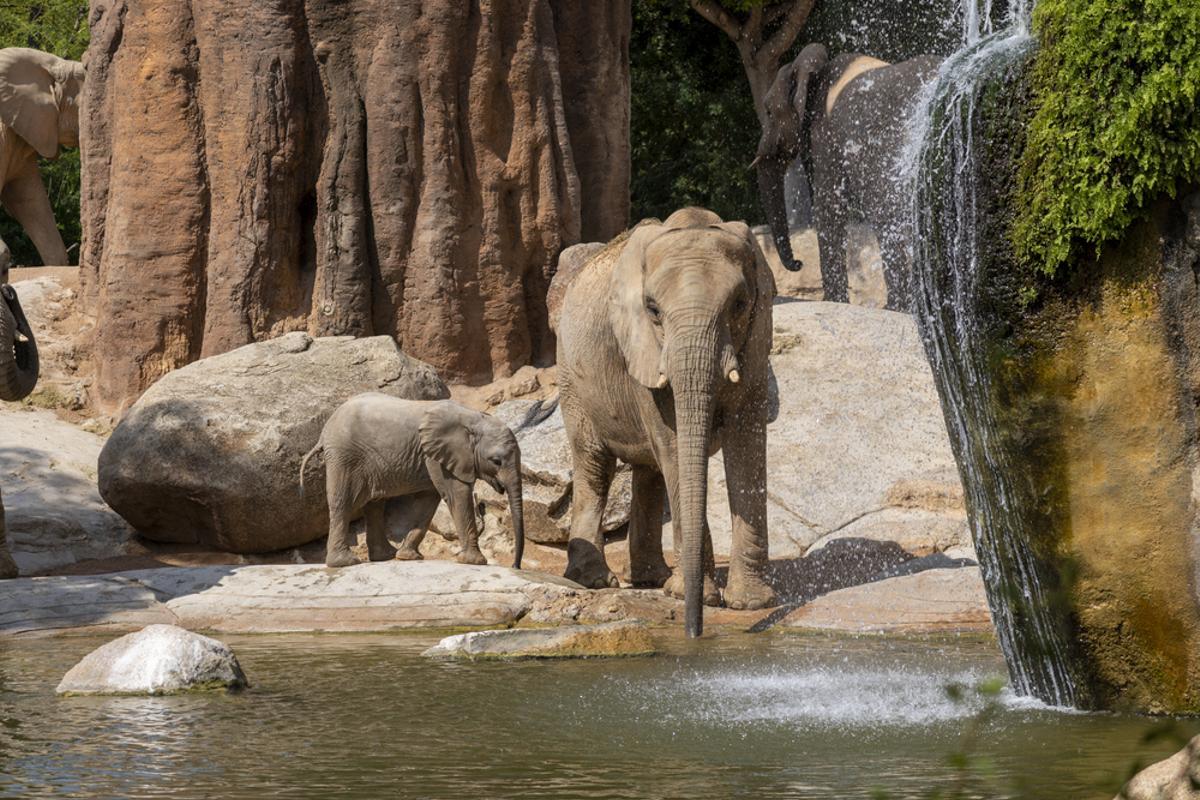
<point x="941" y="173"/>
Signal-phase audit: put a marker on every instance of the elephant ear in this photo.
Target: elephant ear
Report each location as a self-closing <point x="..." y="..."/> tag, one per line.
<point x="811" y="60"/>
<point x="760" y="282"/>
<point x="448" y="437"/>
<point x="631" y="323"/>
<point x="29" y="97"/>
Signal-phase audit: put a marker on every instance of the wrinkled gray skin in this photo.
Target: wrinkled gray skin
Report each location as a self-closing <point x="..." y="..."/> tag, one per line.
<point x="39" y="115"/>
<point x="378" y="447"/>
<point x="849" y="153"/>
<point x="662" y="360"/>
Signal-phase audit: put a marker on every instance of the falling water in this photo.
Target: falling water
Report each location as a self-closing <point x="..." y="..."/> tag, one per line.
<point x="941" y="164"/>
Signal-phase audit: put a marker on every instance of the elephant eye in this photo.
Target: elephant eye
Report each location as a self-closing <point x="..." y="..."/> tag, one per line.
<point x="496" y="460"/>
<point x="653" y="311"/>
<point x="740" y="305"/>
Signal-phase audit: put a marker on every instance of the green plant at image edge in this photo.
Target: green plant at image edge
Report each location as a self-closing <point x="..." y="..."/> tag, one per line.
<point x="1116" y="122"/>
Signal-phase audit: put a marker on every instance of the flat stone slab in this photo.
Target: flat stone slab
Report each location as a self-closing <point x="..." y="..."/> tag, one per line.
<point x="612" y="639"/>
<point x="159" y="659"/>
<point x="933" y="601"/>
<point x="278" y="598"/>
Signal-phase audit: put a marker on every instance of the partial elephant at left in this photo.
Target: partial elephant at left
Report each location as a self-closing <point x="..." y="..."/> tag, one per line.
<point x="39" y="116"/>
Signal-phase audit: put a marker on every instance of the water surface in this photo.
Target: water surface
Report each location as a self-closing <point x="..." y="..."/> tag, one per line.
<point x="772" y="715"/>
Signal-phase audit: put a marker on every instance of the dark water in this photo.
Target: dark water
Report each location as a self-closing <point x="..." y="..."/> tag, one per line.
<point x="773" y="715"/>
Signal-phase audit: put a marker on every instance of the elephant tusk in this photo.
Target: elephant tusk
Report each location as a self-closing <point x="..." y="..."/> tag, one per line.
<point x="662" y="381"/>
<point x="734" y="377"/>
<point x="754" y="163"/>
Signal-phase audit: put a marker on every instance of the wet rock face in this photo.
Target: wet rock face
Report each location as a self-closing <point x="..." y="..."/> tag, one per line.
<point x="326" y="167"/>
<point x="211" y="453"/>
<point x="159" y="659"/>
<point x="1073" y="420"/>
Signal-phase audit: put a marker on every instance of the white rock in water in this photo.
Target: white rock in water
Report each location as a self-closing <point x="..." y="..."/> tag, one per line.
<point x="159" y="659"/>
<point x="626" y="638"/>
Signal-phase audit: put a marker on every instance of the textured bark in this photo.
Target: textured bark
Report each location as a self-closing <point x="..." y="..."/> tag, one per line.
<point x="406" y="167"/>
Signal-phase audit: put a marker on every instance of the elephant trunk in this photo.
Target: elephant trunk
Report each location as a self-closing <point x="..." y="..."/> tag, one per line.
<point x="771" y="171"/>
<point x="696" y="370"/>
<point x="516" y="509"/>
<point x="18" y="350"/>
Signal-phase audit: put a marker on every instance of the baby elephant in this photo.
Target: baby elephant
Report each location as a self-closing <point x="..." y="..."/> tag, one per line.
<point x="378" y="447"/>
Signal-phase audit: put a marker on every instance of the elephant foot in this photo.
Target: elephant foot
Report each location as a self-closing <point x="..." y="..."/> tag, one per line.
<point x="749" y="592"/>
<point x="8" y="567"/>
<point x="384" y="552"/>
<point x="472" y="557"/>
<point x="409" y="554"/>
<point x="340" y="558"/>
<point x="674" y="588"/>
<point x="650" y="576"/>
<point x="592" y="576"/>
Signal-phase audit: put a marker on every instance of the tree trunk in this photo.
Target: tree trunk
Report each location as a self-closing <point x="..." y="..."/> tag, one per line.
<point x="404" y="167"/>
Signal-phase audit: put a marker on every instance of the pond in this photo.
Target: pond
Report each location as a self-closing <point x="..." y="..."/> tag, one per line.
<point x="772" y="715"/>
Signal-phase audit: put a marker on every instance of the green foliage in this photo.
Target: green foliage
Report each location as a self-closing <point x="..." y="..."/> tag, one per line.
<point x="59" y="27"/>
<point x="693" y="126"/>
<point x="1116" y="122"/>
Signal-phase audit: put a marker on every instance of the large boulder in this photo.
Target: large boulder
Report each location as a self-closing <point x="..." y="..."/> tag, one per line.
<point x="1174" y="778"/>
<point x="211" y="453"/>
<point x="858" y="447"/>
<point x="159" y="659"/>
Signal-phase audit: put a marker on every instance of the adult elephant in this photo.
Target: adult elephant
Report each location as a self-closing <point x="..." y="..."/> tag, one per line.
<point x="39" y="115"/>
<point x="663" y="341"/>
<point x="18" y="372"/>
<point x="845" y="119"/>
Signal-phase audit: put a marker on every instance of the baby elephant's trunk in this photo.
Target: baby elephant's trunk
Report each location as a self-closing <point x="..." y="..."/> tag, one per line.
<point x="516" y="509"/>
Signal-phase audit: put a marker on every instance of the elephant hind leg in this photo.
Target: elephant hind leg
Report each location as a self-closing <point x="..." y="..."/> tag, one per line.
<point x="341" y="508"/>
<point x="414" y="518"/>
<point x="378" y="546"/>
<point x="647" y="567"/>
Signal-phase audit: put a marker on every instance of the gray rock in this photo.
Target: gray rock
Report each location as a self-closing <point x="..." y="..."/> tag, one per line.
<point x="279" y="598"/>
<point x="211" y="453"/>
<point x="859" y="430"/>
<point x="159" y="659"/>
<point x="574" y="641"/>
<point x="52" y="509"/>
<point x="1174" y="778"/>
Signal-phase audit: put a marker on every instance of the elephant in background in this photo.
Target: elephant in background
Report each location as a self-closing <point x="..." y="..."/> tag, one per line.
<point x="18" y="372"/>
<point x="845" y="119"/>
<point x="377" y="447"/>
<point x="663" y="339"/>
<point x="39" y="115"/>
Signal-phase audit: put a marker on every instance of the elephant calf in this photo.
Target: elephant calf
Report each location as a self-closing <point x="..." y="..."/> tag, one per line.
<point x="378" y="447"/>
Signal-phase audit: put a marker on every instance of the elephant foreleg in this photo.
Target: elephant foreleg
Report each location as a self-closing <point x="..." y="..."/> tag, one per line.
<point x="592" y="475"/>
<point x="24" y="197"/>
<point x="647" y="567"/>
<point x="746" y="480"/>
<point x="414" y="521"/>
<point x="378" y="546"/>
<point x="461" y="500"/>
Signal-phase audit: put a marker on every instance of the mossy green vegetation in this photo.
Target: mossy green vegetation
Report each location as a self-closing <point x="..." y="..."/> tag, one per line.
<point x="1116" y="91"/>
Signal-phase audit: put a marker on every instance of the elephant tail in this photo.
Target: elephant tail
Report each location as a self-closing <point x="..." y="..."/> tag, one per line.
<point x="538" y="413"/>
<point x="317" y="448"/>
